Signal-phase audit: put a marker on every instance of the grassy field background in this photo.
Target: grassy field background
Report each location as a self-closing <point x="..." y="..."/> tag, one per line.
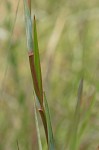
<point x="68" y="35"/>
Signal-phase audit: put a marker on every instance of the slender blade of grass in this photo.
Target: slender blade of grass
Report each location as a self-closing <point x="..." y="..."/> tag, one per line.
<point x="37" y="128"/>
<point x="37" y="59"/>
<point x="42" y="114"/>
<point x="34" y="78"/>
<point x="73" y="144"/>
<point x="9" y="47"/>
<point x="87" y="116"/>
<point x="33" y="67"/>
<point x="28" y="23"/>
<point x="18" y="146"/>
<point x="49" y="126"/>
<point x="39" y="78"/>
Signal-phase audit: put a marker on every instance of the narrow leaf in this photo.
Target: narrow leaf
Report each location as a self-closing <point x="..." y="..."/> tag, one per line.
<point x="75" y="124"/>
<point x="42" y="114"/>
<point x="49" y="127"/>
<point x="87" y="116"/>
<point x="34" y="77"/>
<point x="37" y="60"/>
<point x="18" y="146"/>
<point x="28" y="23"/>
<point x="8" y="48"/>
<point x="37" y="128"/>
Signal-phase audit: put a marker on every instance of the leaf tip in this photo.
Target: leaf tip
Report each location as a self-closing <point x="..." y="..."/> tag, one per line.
<point x="34" y="18"/>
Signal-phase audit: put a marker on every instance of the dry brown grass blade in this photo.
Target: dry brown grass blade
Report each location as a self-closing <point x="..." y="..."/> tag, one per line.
<point x="34" y="77"/>
<point x="42" y="113"/>
<point x="53" y="42"/>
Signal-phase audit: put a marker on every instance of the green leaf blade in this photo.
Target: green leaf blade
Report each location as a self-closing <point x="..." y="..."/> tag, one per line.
<point x="49" y="126"/>
<point x="73" y="144"/>
<point x="87" y="116"/>
<point x="37" y="59"/>
<point x="37" y="128"/>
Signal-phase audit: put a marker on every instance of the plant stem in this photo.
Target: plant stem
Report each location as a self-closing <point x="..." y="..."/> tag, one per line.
<point x="29" y="5"/>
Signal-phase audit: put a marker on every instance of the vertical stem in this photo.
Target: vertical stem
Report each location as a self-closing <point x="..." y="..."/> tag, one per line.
<point x="29" y="5"/>
<point x="34" y="76"/>
<point x="37" y="91"/>
<point x="36" y="87"/>
<point x="43" y="117"/>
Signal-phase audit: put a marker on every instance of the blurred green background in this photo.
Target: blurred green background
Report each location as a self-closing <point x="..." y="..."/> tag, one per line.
<point x="68" y="35"/>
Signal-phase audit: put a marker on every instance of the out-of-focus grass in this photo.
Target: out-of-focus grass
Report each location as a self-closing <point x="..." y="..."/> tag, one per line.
<point x="74" y="50"/>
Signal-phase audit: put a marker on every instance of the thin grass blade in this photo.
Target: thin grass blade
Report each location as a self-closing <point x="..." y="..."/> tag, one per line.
<point x="37" y="60"/>
<point x="49" y="126"/>
<point x="37" y="128"/>
<point x="42" y="114"/>
<point x="28" y="23"/>
<point x="75" y="124"/>
<point x="87" y="116"/>
<point x="8" y="48"/>
<point x="18" y="146"/>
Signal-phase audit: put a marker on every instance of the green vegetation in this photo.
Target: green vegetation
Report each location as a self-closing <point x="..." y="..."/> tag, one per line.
<point x="62" y="50"/>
